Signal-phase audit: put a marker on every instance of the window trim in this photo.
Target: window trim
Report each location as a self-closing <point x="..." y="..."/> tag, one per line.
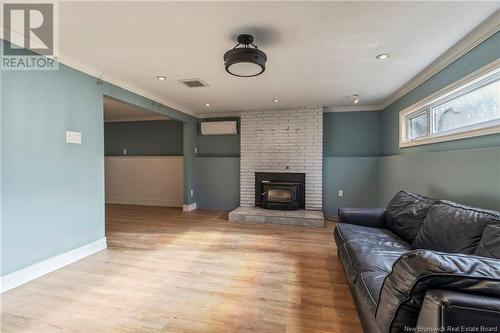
<point x="441" y="95"/>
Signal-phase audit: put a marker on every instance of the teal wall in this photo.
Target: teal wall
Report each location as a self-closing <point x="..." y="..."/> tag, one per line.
<point x="481" y="55"/>
<point x="470" y="176"/>
<point x="52" y="193"/>
<point x="351" y="146"/>
<point x="358" y="177"/>
<point x="352" y="133"/>
<point x="218" y="182"/>
<point x="463" y="170"/>
<point x="218" y="170"/>
<point x="219" y="145"/>
<point x="466" y="171"/>
<point x="143" y="138"/>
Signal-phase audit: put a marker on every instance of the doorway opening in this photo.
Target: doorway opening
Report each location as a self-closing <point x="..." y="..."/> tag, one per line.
<point x="144" y="163"/>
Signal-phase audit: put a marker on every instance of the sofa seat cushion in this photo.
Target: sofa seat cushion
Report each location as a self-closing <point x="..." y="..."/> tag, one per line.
<point x="351" y="232"/>
<point x="405" y="214"/>
<point x="489" y="246"/>
<point x="360" y="256"/>
<point x="372" y="282"/>
<point x="454" y="228"/>
<point x="366" y="293"/>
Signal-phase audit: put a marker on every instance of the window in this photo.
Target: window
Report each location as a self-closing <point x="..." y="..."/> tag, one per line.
<point x="418" y="125"/>
<point x="467" y="108"/>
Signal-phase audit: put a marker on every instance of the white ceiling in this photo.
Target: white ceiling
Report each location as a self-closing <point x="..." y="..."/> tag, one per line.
<point x="115" y="111"/>
<point x="319" y="53"/>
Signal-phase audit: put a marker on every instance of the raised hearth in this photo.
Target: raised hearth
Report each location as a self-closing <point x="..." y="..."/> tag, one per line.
<point x="301" y="217"/>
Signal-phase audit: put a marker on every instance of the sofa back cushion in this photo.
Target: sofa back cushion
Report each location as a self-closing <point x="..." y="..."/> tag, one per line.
<point x="454" y="228"/>
<point x="489" y="246"/>
<point x="405" y="214"/>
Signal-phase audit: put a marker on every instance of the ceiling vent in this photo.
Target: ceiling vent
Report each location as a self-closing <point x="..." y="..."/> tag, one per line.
<point x="194" y="83"/>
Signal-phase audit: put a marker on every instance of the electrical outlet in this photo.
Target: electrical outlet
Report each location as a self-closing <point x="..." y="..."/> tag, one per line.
<point x="191" y="192"/>
<point x="196" y="150"/>
<point x="341" y="193"/>
<point x="124" y="151"/>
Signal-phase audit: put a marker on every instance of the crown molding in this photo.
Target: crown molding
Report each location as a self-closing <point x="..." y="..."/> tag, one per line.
<point x="89" y="70"/>
<point x="352" y="108"/>
<point x="64" y="59"/>
<point x="137" y="118"/>
<point x="483" y="31"/>
<point x="219" y="114"/>
<point x="239" y="113"/>
<point x="325" y="109"/>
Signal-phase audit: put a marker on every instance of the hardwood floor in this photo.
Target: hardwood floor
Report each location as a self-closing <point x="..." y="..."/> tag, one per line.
<point x="168" y="271"/>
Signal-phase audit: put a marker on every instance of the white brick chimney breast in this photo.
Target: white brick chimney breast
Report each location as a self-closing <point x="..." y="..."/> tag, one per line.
<point x="282" y="141"/>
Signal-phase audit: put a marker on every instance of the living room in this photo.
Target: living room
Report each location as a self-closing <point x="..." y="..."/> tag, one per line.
<point x="250" y="166"/>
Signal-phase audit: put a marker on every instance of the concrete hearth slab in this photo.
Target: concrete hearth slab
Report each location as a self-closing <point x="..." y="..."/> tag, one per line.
<point x="308" y="218"/>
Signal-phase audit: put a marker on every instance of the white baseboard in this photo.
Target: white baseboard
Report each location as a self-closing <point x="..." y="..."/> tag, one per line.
<point x="189" y="208"/>
<point x="34" y="271"/>
<point x="144" y="202"/>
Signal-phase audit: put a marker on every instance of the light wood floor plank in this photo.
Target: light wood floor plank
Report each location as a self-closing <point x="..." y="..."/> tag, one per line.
<point x="169" y="271"/>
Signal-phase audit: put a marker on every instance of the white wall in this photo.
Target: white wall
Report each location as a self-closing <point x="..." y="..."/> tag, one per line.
<point x="282" y="141"/>
<point x="145" y="180"/>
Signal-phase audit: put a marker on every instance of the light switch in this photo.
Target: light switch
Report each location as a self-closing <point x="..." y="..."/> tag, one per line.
<point x="73" y="137"/>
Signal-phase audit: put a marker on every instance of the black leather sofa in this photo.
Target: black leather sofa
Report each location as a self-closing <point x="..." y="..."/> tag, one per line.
<point x="422" y="265"/>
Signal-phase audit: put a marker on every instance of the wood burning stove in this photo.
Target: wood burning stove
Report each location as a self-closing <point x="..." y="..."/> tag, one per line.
<point x="276" y="190"/>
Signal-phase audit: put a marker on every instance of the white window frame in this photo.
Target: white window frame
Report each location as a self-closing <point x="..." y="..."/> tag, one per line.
<point x="458" y="88"/>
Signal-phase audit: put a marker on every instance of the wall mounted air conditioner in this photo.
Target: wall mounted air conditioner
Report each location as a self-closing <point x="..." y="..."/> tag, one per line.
<point x="219" y="127"/>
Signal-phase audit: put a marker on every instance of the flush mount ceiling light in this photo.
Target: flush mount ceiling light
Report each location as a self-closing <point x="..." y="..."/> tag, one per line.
<point x="245" y="61"/>
<point x="355" y="98"/>
<point x="276" y="100"/>
<point x="207" y="105"/>
<point x="161" y="77"/>
<point x="382" y="56"/>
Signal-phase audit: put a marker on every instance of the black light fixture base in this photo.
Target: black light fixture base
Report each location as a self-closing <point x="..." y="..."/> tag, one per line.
<point x="245" y="39"/>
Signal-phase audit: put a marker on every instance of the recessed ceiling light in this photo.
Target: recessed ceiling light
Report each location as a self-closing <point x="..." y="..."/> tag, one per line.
<point x="355" y="98"/>
<point x="382" y="56"/>
<point x="207" y="104"/>
<point x="276" y="100"/>
<point x="161" y="77"/>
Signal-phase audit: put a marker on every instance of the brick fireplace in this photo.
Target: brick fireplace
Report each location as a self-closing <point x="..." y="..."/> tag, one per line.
<point x="282" y="141"/>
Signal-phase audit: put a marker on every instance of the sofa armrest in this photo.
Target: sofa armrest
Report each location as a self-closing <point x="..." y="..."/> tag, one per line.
<point x="444" y="309"/>
<point x="416" y="272"/>
<point x="368" y="217"/>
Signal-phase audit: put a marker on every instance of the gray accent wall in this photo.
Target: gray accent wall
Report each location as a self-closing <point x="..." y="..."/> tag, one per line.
<point x="352" y="133"/>
<point x="358" y="177"/>
<point x="143" y="138"/>
<point x="351" y="149"/>
<point x="218" y="182"/>
<point x="470" y="176"/>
